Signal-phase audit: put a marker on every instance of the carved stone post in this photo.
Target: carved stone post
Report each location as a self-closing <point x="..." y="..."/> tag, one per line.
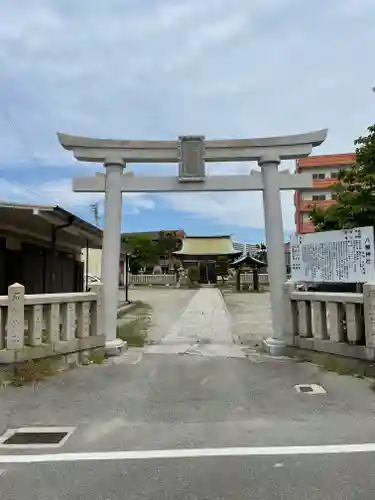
<point x="97" y="311"/>
<point x="290" y="318"/>
<point x="16" y="317"/>
<point x="369" y="313"/>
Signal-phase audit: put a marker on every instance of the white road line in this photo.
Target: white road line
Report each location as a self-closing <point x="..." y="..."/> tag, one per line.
<point x="190" y="453"/>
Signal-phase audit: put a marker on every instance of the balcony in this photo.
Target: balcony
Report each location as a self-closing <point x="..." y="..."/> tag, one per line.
<point x="306" y="227"/>
<point x="324" y="183"/>
<point x="307" y="205"/>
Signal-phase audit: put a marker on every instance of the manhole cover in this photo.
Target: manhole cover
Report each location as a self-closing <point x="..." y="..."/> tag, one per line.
<point x="310" y="389"/>
<point x="36" y="437"/>
<point x="306" y="388"/>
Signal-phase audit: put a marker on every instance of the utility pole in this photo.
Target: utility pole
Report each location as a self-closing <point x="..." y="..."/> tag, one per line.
<point x="95" y="211"/>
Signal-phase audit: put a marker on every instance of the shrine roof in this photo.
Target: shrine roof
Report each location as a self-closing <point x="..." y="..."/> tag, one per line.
<point x="207" y="245"/>
<point x="249" y="260"/>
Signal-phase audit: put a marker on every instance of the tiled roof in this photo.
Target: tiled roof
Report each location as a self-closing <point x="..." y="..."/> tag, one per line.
<point x="180" y="233"/>
<point x="248" y="259"/>
<point x="210" y="245"/>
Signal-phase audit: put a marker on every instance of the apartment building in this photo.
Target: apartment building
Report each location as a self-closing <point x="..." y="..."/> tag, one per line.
<point x="245" y="248"/>
<point x="253" y="249"/>
<point x="324" y="170"/>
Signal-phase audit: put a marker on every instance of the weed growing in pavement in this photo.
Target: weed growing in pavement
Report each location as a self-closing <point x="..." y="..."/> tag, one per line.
<point x="96" y="359"/>
<point x="32" y="372"/>
<point x="133" y="327"/>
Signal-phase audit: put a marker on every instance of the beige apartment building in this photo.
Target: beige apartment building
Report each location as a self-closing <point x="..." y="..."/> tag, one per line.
<point x="324" y="169"/>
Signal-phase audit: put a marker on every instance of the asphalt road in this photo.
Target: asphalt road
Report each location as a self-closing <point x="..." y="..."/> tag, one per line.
<point x="171" y="402"/>
<point x="197" y="425"/>
<point x="264" y="478"/>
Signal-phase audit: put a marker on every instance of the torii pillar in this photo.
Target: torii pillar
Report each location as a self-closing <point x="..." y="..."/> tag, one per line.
<point x="191" y="153"/>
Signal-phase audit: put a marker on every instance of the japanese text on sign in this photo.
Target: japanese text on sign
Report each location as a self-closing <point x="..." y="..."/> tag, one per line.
<point x="345" y="256"/>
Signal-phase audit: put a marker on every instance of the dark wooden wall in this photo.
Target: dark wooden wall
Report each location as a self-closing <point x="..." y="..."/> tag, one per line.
<point x="39" y="269"/>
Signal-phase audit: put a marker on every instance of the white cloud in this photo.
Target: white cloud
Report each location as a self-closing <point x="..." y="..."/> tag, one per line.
<point x="159" y="69"/>
<point x="60" y="192"/>
<point x="237" y="209"/>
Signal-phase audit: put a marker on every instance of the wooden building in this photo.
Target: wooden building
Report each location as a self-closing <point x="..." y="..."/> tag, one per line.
<point x="212" y="255"/>
<point x="40" y="247"/>
<point x="251" y="264"/>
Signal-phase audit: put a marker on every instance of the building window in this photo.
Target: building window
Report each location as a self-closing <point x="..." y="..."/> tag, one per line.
<point x="334" y="175"/>
<point x="319" y="176"/>
<point x="318" y="197"/>
<point x="334" y="196"/>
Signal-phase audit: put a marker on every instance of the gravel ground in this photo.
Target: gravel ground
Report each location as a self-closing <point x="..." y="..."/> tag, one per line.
<point x="251" y="316"/>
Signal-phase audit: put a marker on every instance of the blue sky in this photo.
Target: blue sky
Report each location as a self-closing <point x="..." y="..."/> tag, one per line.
<point x="147" y="69"/>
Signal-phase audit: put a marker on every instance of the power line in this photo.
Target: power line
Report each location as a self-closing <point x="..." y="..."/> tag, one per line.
<point x="26" y="146"/>
<point x="28" y="149"/>
<point x="30" y="153"/>
<point x="95" y="210"/>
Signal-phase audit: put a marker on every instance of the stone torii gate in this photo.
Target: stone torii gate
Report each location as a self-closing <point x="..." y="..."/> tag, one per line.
<point x="191" y="153"/>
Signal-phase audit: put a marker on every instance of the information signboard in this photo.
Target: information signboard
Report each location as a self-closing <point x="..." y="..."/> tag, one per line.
<point x="345" y="256"/>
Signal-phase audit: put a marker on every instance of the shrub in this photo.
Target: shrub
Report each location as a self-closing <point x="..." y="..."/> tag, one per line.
<point x="193" y="274"/>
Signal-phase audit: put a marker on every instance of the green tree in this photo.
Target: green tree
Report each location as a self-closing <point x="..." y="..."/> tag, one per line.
<point x="261" y="253"/>
<point x="354" y="191"/>
<point x="168" y="243"/>
<point x="144" y="252"/>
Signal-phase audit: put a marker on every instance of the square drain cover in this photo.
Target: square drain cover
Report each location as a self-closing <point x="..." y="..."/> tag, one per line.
<point x="36" y="437"/>
<point x="310" y="389"/>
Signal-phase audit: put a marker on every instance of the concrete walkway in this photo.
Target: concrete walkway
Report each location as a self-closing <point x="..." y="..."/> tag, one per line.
<point x="204" y="328"/>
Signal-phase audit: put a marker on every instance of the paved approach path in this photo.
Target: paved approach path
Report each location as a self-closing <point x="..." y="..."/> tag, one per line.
<point x="204" y="328"/>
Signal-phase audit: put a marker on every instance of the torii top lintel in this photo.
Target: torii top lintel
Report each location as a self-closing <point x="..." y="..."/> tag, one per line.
<point x="101" y="150"/>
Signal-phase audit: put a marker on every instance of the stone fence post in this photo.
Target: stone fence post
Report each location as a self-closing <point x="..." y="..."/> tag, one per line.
<point x="97" y="314"/>
<point x="369" y="313"/>
<point x="16" y="317"/>
<point x="289" y="319"/>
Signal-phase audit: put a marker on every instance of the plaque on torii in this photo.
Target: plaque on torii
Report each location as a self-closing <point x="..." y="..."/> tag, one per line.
<point x="191" y="153"/>
<point x="191" y="165"/>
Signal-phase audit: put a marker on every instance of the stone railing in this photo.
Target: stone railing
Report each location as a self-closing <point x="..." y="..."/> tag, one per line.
<point x="152" y="279"/>
<point x="39" y="326"/>
<point x="336" y="323"/>
<point x="248" y="278"/>
<point x="170" y="279"/>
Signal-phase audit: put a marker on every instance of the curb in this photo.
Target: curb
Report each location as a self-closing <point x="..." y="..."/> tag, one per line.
<point x="124" y="308"/>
